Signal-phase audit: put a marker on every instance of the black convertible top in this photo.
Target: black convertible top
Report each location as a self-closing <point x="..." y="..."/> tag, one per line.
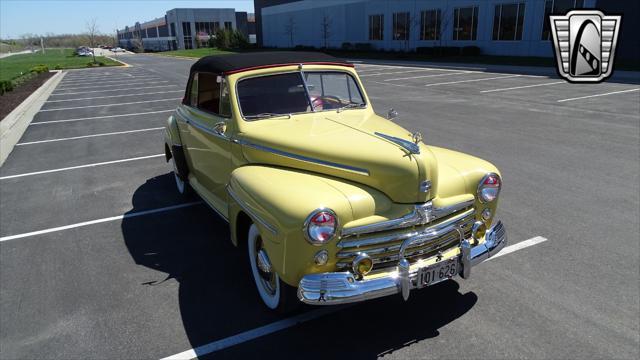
<point x="232" y="63"/>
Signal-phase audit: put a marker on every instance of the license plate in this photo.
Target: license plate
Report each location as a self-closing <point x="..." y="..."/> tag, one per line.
<point x="437" y="272"/>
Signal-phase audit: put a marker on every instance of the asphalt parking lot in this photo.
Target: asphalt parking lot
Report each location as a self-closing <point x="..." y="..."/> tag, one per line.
<point x="100" y="257"/>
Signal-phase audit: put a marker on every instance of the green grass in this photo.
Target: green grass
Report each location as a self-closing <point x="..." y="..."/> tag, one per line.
<point x="5" y="48"/>
<point x="15" y="66"/>
<point x="196" y="53"/>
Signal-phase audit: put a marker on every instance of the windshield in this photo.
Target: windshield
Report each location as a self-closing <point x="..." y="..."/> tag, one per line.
<point x="284" y="94"/>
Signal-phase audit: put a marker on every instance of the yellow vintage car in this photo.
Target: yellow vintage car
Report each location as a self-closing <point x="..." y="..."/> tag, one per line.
<point x="332" y="203"/>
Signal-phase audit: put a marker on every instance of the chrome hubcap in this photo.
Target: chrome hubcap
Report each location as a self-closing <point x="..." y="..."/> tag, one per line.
<point x="267" y="276"/>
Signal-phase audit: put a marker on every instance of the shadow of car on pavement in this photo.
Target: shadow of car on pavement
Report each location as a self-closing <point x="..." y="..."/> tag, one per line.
<point x="217" y="297"/>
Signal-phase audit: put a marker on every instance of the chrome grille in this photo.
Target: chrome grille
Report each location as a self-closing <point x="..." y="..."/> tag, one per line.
<point x="383" y="247"/>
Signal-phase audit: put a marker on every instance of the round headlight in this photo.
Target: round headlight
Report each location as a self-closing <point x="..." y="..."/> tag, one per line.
<point x="489" y="187"/>
<point x="320" y="226"/>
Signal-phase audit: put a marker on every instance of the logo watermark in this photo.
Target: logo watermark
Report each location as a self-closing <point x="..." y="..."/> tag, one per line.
<point x="585" y="44"/>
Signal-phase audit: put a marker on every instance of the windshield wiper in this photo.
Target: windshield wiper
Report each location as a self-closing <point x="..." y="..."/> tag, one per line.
<point x="266" y="115"/>
<point x="351" y="106"/>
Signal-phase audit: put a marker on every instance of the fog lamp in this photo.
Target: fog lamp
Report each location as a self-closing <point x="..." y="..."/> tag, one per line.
<point x="362" y="264"/>
<point x="486" y="214"/>
<point x="478" y="230"/>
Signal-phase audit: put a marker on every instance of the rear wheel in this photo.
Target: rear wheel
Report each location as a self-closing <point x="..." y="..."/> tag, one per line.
<point x="275" y="294"/>
<point x="181" y="185"/>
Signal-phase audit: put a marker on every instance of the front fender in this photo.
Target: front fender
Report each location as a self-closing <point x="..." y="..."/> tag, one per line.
<point x="278" y="201"/>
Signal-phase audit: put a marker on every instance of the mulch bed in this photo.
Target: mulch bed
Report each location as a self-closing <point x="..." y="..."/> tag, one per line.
<point x="12" y="99"/>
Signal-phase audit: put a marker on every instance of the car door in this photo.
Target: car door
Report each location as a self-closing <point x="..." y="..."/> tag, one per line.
<point x="208" y="143"/>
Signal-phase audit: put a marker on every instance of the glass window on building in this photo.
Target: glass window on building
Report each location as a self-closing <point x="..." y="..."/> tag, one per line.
<point x="557" y="7"/>
<point x="227" y="25"/>
<point x="465" y="23"/>
<point x="507" y="22"/>
<point x="430" y="24"/>
<point x="152" y="32"/>
<point x="186" y="31"/>
<point x="401" y="26"/>
<point x="163" y="31"/>
<point x="173" y="29"/>
<point x="376" y="27"/>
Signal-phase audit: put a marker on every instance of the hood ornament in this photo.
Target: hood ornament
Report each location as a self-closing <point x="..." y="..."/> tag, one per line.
<point x="405" y="144"/>
<point x="416" y="137"/>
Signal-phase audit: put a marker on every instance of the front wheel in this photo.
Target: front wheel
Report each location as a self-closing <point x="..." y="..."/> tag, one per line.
<point x="275" y="294"/>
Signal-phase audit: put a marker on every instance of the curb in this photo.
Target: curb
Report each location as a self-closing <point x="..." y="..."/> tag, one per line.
<point x="14" y="125"/>
<point x="173" y="56"/>
<point x="124" y="64"/>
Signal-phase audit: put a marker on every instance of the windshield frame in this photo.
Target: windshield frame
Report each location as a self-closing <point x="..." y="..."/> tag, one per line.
<point x="301" y="72"/>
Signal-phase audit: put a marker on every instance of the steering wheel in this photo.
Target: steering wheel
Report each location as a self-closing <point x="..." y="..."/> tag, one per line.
<point x="331" y="101"/>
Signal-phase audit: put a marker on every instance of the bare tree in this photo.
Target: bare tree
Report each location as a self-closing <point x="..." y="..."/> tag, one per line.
<point x="289" y="29"/>
<point x="92" y="32"/>
<point x="325" y="28"/>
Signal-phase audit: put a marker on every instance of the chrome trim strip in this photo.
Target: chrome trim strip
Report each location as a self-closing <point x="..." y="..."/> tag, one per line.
<point x="379" y="240"/>
<point x="447" y="210"/>
<point x="251" y="213"/>
<point x="353" y="169"/>
<point x="405" y="144"/>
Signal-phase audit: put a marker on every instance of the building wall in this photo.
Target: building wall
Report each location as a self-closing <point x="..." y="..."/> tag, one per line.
<point x="349" y="22"/>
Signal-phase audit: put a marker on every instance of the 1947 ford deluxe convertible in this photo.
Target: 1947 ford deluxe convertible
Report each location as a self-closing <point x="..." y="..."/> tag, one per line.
<point x="331" y="202"/>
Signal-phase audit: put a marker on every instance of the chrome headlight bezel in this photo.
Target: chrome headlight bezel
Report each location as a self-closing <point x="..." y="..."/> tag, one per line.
<point x="307" y="224"/>
<point x="482" y="186"/>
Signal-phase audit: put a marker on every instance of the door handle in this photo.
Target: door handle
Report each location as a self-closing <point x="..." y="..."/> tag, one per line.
<point x="220" y="128"/>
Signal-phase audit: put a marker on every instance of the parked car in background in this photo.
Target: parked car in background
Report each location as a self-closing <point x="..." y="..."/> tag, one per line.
<point x="331" y="203"/>
<point x="117" y="49"/>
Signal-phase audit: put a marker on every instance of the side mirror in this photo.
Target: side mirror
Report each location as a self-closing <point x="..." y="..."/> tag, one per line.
<point x="392" y="114"/>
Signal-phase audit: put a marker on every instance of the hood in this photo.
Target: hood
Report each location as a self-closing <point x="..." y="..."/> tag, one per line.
<point x="343" y="145"/>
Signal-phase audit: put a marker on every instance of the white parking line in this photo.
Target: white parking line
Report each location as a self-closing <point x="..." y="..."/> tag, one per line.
<point x="118" y="104"/>
<point x="113" y="96"/>
<point x="94" y="86"/>
<point x="524" y="87"/>
<point x="299" y="319"/>
<point x="397" y="72"/>
<point x="597" y="95"/>
<point x="77" y="82"/>
<point x="88" y="136"/>
<point x="120" y="89"/>
<point x="98" y="221"/>
<point x="474" y="80"/>
<point x="80" y="166"/>
<point x="99" y="117"/>
<point x="428" y="76"/>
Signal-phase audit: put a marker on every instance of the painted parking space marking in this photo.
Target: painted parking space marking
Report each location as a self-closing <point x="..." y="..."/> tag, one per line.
<point x="80" y="166"/>
<point x="429" y="76"/>
<point x="524" y="87"/>
<point x="100" y="117"/>
<point x="112" y="90"/>
<point x="114" y="96"/>
<point x="118" y="104"/>
<point x="598" y="95"/>
<point x="397" y="72"/>
<point x="99" y="221"/>
<point x="274" y="327"/>
<point x="78" y="82"/>
<point x="89" y="136"/>
<point x="112" y="85"/>
<point x="474" y="80"/>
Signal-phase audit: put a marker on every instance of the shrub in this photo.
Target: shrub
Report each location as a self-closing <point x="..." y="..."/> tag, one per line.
<point x="39" y="69"/>
<point x="222" y="40"/>
<point x="346" y="46"/>
<point x="5" y="86"/>
<point x="101" y="63"/>
<point x="470" y="51"/>
<point x="363" y="46"/>
<point x="58" y="67"/>
<point x="238" y="40"/>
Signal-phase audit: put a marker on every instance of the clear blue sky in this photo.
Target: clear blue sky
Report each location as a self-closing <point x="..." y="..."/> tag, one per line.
<point x="19" y="17"/>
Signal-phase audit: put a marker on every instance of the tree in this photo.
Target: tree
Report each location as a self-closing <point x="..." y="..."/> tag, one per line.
<point x="92" y="32"/>
<point x="325" y="29"/>
<point x="289" y="29"/>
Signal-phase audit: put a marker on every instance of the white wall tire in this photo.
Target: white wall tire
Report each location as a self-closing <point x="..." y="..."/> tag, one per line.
<point x="269" y="290"/>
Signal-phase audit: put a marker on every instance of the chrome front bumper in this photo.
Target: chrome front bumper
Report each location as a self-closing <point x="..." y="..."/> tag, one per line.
<point x="342" y="287"/>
